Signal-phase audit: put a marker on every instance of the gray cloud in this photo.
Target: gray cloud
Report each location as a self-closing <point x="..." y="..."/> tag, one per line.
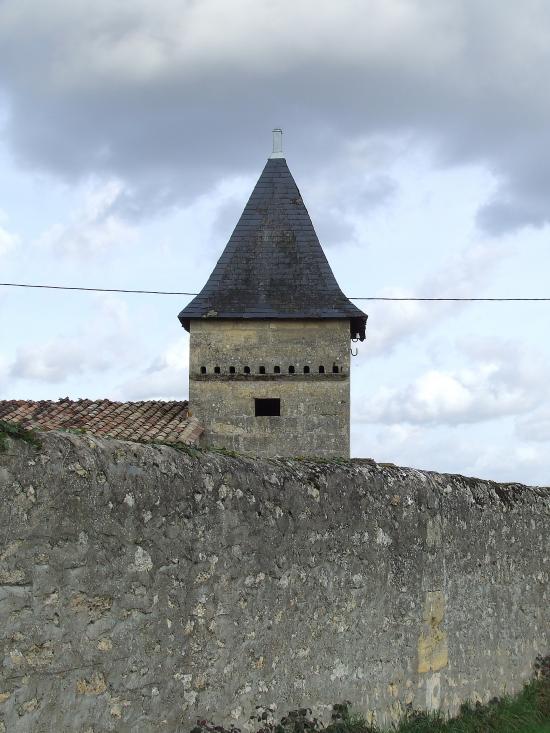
<point x="171" y="96"/>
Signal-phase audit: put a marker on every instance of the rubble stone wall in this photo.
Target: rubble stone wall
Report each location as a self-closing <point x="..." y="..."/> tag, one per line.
<point x="142" y="587"/>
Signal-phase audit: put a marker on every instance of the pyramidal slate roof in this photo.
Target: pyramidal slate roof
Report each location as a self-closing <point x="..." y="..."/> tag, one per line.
<point x="273" y="265"/>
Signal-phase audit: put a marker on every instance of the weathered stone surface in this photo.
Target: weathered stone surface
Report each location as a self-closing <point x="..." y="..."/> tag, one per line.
<point x="142" y="587"/>
<point x="314" y="419"/>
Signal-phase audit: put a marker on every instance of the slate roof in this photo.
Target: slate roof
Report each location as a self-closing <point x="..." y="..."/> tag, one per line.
<point x="152" y="421"/>
<point x="273" y="265"/>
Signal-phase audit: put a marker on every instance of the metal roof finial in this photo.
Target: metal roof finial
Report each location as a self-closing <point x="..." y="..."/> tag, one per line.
<point x="277" y="143"/>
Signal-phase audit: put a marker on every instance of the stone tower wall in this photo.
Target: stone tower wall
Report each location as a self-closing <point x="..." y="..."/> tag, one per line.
<point x="314" y="416"/>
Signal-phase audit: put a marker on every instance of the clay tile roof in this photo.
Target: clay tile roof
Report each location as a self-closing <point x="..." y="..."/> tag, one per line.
<point x="273" y="265"/>
<point x="166" y="422"/>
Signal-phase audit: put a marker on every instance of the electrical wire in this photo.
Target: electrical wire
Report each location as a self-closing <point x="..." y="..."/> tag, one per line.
<point x="363" y="297"/>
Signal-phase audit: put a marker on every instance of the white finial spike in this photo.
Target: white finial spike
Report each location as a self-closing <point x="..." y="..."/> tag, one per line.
<point x="277" y="143"/>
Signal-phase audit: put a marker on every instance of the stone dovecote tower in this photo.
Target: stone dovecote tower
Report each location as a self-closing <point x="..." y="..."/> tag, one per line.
<point x="269" y="364"/>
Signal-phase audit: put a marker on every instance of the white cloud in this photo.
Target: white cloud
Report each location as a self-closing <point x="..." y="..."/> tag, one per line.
<point x="504" y="381"/>
<point x="536" y="426"/>
<point x="164" y="379"/>
<point x="4" y="372"/>
<point x="461" y="276"/>
<point x="95" y="227"/>
<point x="396" y="321"/>
<point x="485" y="451"/>
<point x="55" y="360"/>
<point x="509" y="460"/>
<point x="8" y="240"/>
<point x="101" y="344"/>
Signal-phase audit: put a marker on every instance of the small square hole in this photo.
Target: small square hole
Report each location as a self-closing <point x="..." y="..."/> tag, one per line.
<point x="265" y="407"/>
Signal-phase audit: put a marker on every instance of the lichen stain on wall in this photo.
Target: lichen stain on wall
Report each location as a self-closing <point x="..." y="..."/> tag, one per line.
<point x="433" y="653"/>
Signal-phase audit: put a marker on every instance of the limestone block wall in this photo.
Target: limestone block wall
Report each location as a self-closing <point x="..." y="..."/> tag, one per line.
<point x="234" y="362"/>
<point x="142" y="587"/>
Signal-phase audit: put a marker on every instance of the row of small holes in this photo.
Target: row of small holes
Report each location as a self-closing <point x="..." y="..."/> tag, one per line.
<point x="276" y="370"/>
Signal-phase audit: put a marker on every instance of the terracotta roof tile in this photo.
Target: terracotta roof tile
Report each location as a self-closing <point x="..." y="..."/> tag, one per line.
<point x="150" y="421"/>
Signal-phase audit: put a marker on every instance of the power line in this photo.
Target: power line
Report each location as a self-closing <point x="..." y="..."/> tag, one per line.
<point x="364" y="297"/>
<point x="95" y="290"/>
<point x="459" y="300"/>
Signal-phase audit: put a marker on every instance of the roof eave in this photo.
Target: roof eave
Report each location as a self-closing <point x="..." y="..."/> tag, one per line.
<point x="357" y="323"/>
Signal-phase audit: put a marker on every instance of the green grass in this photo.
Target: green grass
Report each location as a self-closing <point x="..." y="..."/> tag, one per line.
<point x="520" y="714"/>
<point x="527" y="712"/>
<point x="16" y="432"/>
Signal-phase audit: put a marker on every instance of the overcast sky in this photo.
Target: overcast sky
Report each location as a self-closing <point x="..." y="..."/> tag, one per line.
<point x="418" y="131"/>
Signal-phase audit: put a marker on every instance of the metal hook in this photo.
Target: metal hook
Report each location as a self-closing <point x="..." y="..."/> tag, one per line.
<point x="356" y="352"/>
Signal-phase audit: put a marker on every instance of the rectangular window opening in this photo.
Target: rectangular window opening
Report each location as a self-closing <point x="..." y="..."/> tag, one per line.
<point x="267" y="407"/>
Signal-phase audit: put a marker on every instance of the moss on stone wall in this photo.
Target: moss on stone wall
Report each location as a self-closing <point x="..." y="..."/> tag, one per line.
<point x="16" y="432"/>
